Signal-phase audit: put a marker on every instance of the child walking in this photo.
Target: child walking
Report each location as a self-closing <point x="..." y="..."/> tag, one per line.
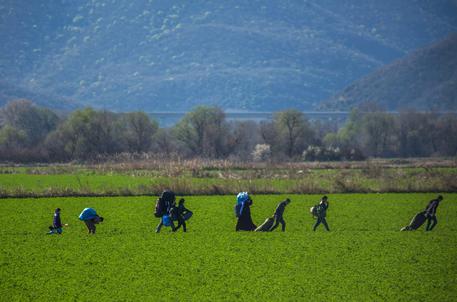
<point x="56" y="227"/>
<point x="182" y="214"/>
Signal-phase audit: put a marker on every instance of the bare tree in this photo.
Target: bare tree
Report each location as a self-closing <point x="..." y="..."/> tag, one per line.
<point x="138" y="131"/>
<point x="294" y="131"/>
<point x="204" y="131"/>
<point x="35" y="122"/>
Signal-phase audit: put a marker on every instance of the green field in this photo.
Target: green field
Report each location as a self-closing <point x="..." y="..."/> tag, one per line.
<point x="363" y="258"/>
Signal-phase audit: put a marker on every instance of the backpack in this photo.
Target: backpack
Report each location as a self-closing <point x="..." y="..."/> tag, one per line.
<point x="168" y="196"/>
<point x="163" y="203"/>
<point x="320" y="210"/>
<point x="87" y="214"/>
<point x="161" y="208"/>
<point x="238" y="208"/>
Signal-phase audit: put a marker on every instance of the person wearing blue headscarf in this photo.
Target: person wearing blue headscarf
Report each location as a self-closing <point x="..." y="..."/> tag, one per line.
<point x="244" y="222"/>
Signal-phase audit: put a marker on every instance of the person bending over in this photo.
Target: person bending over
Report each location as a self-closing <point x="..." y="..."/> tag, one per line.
<point x="90" y="218"/>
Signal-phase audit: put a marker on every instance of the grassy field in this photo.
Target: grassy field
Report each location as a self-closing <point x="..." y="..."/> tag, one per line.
<point x="363" y="258"/>
<point x="206" y="179"/>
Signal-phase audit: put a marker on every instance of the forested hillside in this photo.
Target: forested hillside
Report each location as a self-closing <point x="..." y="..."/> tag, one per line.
<point x="426" y="79"/>
<point x="172" y="55"/>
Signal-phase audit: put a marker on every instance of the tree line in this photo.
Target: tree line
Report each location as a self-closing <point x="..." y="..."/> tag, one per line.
<point x="30" y="133"/>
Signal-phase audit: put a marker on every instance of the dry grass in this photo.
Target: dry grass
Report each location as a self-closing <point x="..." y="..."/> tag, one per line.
<point x="221" y="177"/>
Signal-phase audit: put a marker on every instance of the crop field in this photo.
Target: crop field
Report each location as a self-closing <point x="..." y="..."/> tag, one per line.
<point x="363" y="258"/>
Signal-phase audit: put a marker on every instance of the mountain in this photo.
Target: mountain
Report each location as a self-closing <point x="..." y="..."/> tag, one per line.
<point x="172" y="55"/>
<point x="425" y="79"/>
<point x="9" y="92"/>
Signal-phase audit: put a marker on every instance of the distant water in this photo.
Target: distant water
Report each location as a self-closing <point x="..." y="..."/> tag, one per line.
<point x="169" y="118"/>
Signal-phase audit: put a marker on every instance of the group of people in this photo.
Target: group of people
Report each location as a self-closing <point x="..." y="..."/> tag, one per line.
<point x="245" y="223"/>
<point x="168" y="212"/>
<point x="89" y="216"/>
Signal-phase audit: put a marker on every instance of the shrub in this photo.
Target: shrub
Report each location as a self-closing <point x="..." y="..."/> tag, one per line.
<point x="316" y="153"/>
<point x="262" y="152"/>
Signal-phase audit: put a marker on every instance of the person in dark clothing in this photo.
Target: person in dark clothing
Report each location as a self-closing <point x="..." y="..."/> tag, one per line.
<point x="181" y="213"/>
<point x="244" y="222"/>
<point x="321" y="213"/>
<point x="430" y="213"/>
<point x="56" y="227"/>
<point x="90" y="223"/>
<point x="169" y="198"/>
<point x="172" y="213"/>
<point x="278" y="216"/>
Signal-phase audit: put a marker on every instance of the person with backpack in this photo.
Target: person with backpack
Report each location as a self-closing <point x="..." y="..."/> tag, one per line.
<point x="430" y="213"/>
<point x="243" y="213"/>
<point x="278" y="215"/>
<point x="320" y="212"/>
<point x="163" y="207"/>
<point x="90" y="218"/>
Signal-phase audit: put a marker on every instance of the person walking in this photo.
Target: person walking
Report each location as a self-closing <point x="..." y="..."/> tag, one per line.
<point x="430" y="213"/>
<point x="57" y="225"/>
<point x="164" y="206"/>
<point x="182" y="214"/>
<point x="278" y="215"/>
<point x="321" y="213"/>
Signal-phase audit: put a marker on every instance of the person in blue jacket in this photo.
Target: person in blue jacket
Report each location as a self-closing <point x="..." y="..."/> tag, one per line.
<point x="90" y="218"/>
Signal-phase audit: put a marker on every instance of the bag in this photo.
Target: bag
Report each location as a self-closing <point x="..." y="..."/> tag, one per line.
<point x="164" y="203"/>
<point x="87" y="214"/>
<point x="187" y="215"/>
<point x="161" y="208"/>
<point x="238" y="208"/>
<point x="417" y="221"/>
<point x="266" y="225"/>
<point x="166" y="220"/>
<point x="313" y="210"/>
<point x="168" y="196"/>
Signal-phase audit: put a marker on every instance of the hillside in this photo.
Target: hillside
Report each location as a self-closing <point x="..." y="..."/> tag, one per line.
<point x="10" y="92"/>
<point x="172" y="55"/>
<point x="425" y="79"/>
